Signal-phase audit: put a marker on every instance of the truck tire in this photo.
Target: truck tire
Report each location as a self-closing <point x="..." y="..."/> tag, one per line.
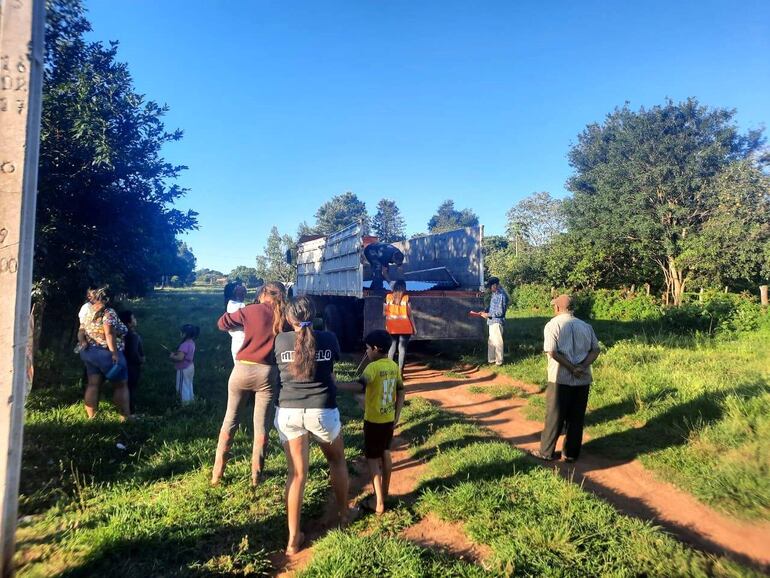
<point x="333" y="322"/>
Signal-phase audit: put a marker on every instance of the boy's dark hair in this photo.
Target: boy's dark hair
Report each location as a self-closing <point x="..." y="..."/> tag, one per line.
<point x="125" y="316"/>
<point x="379" y="339"/>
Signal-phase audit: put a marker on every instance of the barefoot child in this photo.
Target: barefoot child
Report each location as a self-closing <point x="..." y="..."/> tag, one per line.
<point x="183" y="363"/>
<point x="384" y="399"/>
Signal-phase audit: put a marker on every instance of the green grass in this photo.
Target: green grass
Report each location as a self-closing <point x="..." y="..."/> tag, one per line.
<point x="499" y="391"/>
<point x="695" y="410"/>
<point x="92" y="509"/>
<point x="534" y="522"/>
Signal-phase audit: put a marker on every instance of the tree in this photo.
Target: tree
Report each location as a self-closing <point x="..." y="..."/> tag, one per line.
<point x="341" y="211"/>
<point x="249" y="275"/>
<point x="388" y="224"/>
<point x="305" y="229"/>
<point x="105" y="194"/>
<point x="730" y="247"/>
<point x="448" y="219"/>
<point x="182" y="270"/>
<point x="535" y="220"/>
<point x="272" y="265"/>
<point x="647" y="183"/>
<point x="207" y="276"/>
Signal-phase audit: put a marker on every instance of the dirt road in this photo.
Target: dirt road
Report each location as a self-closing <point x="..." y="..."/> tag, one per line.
<point x="627" y="485"/>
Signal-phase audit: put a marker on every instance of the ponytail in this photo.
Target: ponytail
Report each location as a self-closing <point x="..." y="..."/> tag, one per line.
<point x="277" y="292"/>
<point x="300" y="312"/>
<point x="398" y="291"/>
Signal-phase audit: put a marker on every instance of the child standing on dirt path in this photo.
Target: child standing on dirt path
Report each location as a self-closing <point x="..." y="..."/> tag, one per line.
<point x="382" y="409"/>
<point x="183" y="359"/>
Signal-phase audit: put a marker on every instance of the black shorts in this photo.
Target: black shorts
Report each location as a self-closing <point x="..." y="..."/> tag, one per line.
<point x="377" y="438"/>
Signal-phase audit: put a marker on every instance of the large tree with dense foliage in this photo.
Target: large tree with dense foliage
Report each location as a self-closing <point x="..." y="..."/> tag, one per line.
<point x="388" y="224"/>
<point x="105" y="194"/>
<point x="650" y="184"/>
<point x="339" y="212"/>
<point x="447" y="218"/>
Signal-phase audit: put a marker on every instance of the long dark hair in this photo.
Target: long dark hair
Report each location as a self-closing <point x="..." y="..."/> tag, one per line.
<point x="300" y="311"/>
<point x="277" y="292"/>
<point x="398" y="290"/>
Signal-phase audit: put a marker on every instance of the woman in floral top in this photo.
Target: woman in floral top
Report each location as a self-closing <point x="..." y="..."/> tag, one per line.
<point x="101" y="349"/>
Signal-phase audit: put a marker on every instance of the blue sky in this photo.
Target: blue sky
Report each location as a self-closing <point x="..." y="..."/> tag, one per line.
<point x="285" y="104"/>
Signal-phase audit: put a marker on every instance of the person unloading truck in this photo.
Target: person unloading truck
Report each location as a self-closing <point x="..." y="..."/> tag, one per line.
<point x="380" y="256"/>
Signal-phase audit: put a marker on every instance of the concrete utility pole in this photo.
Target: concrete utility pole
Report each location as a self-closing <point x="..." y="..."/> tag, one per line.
<point x="22" y="49"/>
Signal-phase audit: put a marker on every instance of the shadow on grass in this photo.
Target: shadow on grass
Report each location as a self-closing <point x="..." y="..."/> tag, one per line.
<point x="668" y="429"/>
<point x="182" y="551"/>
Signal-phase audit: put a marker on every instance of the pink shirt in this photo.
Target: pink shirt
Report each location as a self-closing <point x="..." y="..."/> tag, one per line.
<point x="188" y="348"/>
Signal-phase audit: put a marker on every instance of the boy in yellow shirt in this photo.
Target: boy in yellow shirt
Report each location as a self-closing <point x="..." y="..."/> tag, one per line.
<point x="382" y="408"/>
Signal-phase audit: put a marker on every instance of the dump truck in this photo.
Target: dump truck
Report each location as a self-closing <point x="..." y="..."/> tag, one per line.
<point x="444" y="275"/>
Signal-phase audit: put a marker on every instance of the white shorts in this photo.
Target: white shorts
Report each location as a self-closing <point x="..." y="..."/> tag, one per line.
<point x="322" y="424"/>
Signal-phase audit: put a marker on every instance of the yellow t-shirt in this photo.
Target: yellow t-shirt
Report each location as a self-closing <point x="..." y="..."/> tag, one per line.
<point x="381" y="379"/>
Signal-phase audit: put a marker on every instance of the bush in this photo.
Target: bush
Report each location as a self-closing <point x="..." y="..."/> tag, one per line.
<point x="621" y="305"/>
<point x="717" y="312"/>
<point x="537" y="297"/>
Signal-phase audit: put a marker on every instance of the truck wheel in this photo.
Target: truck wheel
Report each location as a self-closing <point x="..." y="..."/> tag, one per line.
<point x="333" y="322"/>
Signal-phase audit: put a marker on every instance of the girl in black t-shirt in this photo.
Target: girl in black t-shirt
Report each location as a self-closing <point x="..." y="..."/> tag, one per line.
<point x="307" y="406"/>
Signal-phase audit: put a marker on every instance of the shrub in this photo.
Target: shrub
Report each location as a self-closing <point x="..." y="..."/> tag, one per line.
<point x="537" y="297"/>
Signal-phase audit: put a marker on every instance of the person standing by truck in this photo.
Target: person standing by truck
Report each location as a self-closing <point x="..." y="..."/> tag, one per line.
<point x="398" y="322"/>
<point x="380" y="256"/>
<point x="495" y="316"/>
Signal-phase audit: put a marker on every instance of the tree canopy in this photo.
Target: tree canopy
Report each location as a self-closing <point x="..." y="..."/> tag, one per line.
<point x="105" y="194"/>
<point x="659" y="185"/>
<point x="447" y="218"/>
<point x="339" y="212"/>
<point x="388" y="224"/>
<point x="249" y="275"/>
<point x="535" y="220"/>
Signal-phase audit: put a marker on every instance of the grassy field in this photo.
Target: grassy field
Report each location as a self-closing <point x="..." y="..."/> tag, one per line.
<point x="91" y="508"/>
<point x="696" y="410"/>
<point x="534" y="522"/>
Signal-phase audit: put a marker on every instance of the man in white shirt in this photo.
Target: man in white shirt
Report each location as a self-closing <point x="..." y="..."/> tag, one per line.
<point x="571" y="347"/>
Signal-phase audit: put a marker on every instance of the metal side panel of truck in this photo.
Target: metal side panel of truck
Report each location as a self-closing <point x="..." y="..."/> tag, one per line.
<point x="332" y="271"/>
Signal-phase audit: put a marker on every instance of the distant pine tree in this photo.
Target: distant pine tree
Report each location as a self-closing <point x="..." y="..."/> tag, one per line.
<point x="388" y="224"/>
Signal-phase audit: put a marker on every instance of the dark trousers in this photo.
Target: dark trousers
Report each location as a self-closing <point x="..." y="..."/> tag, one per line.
<point x="134" y="371"/>
<point x="565" y="406"/>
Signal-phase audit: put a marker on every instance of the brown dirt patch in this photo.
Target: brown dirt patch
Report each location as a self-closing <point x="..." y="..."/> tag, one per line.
<point x="431" y="532"/>
<point x="627" y="485"/>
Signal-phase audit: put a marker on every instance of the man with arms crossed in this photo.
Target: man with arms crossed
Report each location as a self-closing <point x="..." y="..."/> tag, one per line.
<point x="571" y="347"/>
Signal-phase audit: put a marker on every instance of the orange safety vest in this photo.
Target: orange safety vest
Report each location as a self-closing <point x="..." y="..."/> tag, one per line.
<point x="397" y="320"/>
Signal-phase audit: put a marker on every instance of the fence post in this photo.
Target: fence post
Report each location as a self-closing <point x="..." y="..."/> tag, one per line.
<point x="22" y="43"/>
<point x="763" y="295"/>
